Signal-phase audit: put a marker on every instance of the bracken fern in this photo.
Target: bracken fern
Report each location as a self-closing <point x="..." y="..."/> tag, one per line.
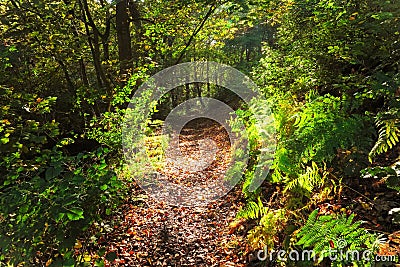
<point x="308" y="180"/>
<point x="329" y="234"/>
<point x="253" y="210"/>
<point x="388" y="123"/>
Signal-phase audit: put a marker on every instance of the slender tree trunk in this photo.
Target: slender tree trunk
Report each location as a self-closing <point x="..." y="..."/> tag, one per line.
<point x="83" y="72"/>
<point x="71" y="85"/>
<point x="123" y="37"/>
<point x="97" y="60"/>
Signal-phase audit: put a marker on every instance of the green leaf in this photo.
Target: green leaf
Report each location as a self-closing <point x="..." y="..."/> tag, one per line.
<point x="59" y="217"/>
<point x="24" y="208"/>
<point x="104" y="187"/>
<point x="101" y="251"/>
<point x="99" y="263"/>
<point x="75" y="214"/>
<point x="102" y="166"/>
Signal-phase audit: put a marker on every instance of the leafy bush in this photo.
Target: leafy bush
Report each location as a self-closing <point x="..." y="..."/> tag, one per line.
<point x="261" y="145"/>
<point x="46" y="213"/>
<point x="47" y="198"/>
<point x="26" y="128"/>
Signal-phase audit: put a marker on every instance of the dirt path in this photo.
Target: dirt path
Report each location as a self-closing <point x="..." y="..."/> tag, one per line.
<point x="150" y="233"/>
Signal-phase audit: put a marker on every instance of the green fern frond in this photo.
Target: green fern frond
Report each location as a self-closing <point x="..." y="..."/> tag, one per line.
<point x="389" y="133"/>
<point x="253" y="210"/>
<point x="308" y="180"/>
<point x="388" y="123"/>
<point x="321" y="232"/>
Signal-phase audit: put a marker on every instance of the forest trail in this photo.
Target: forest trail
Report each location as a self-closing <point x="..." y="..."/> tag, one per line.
<point x="151" y="233"/>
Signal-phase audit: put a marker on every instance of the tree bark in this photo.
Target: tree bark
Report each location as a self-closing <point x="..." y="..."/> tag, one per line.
<point x="123" y="37"/>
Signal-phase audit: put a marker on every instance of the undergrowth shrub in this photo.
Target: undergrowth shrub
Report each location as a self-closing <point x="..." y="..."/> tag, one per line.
<point x="320" y="128"/>
<point x="311" y="136"/>
<point x="44" y="215"/>
<point x="271" y="222"/>
<point x="331" y="69"/>
<point x="106" y="127"/>
<point x="260" y="132"/>
<point x="47" y="198"/>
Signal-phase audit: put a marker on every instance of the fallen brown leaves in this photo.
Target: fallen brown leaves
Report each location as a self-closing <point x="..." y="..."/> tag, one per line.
<point x="150" y="233"/>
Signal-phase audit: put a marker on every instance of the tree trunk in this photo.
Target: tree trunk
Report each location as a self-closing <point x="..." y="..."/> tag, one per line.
<point x="123" y="37"/>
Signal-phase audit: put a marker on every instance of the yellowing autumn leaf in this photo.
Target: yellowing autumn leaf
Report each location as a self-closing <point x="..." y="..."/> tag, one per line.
<point x="78" y="244"/>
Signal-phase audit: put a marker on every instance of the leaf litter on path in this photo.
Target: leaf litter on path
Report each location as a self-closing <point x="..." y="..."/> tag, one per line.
<point x="148" y="232"/>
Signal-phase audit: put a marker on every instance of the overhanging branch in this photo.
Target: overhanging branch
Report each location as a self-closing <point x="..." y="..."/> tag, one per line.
<point x="195" y="32"/>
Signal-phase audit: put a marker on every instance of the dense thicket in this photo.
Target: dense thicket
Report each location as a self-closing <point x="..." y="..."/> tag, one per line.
<point x="330" y="69"/>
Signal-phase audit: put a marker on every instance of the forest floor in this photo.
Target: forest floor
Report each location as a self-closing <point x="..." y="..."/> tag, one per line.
<point x="148" y="232"/>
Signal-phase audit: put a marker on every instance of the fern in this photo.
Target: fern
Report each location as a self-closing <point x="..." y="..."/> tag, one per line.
<point x="307" y="180"/>
<point x="253" y="210"/>
<point x="321" y="127"/>
<point x="321" y="232"/>
<point x="265" y="234"/>
<point x="388" y="123"/>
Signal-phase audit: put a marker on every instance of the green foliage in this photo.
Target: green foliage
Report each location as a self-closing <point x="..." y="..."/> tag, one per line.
<point x="390" y="174"/>
<point x="271" y="223"/>
<point x="327" y="235"/>
<point x="311" y="178"/>
<point x="155" y="149"/>
<point x="51" y="210"/>
<point x="322" y="126"/>
<point x="261" y="137"/>
<point x="311" y="138"/>
<point x="388" y="123"/>
<point x="332" y="65"/>
<point x="106" y="128"/>
<point x="280" y="72"/>
<point x="48" y="199"/>
<point x="328" y="66"/>
<point x="26" y="127"/>
<point x="253" y="210"/>
<point x="252" y="134"/>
